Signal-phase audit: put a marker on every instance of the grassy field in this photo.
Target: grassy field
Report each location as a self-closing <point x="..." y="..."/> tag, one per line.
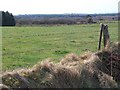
<point x="25" y="46"/>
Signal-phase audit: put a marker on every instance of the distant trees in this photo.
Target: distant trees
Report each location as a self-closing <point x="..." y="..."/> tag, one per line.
<point x="89" y="19"/>
<point x="49" y="21"/>
<point x="7" y="19"/>
<point x="31" y="20"/>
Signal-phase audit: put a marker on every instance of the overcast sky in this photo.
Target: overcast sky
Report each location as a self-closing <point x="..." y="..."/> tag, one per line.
<point x="59" y="6"/>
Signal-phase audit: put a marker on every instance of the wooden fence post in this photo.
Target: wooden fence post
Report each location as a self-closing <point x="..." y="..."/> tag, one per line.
<point x="106" y="37"/>
<point x="100" y="38"/>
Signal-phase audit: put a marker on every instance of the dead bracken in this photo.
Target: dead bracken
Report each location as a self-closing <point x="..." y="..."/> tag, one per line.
<point x="91" y="70"/>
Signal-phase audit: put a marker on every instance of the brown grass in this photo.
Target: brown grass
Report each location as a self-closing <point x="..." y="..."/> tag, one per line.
<point x="87" y="71"/>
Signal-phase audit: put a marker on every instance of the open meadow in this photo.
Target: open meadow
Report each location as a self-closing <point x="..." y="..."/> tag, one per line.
<point x="26" y="45"/>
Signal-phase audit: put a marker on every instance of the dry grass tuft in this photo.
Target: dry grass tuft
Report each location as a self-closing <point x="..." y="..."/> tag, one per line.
<point x="90" y="70"/>
<point x="111" y="59"/>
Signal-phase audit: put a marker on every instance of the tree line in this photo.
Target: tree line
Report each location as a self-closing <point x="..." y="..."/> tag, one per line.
<point x="7" y="19"/>
<point x="54" y="20"/>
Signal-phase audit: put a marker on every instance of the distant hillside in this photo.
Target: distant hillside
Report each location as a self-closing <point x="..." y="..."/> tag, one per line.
<point x="31" y="19"/>
<point x="34" y="16"/>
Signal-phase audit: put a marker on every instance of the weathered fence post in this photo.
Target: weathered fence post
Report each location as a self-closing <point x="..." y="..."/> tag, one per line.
<point x="100" y="38"/>
<point x="106" y="37"/>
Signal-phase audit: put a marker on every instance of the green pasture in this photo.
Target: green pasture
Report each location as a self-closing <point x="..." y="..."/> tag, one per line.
<point x="26" y="45"/>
